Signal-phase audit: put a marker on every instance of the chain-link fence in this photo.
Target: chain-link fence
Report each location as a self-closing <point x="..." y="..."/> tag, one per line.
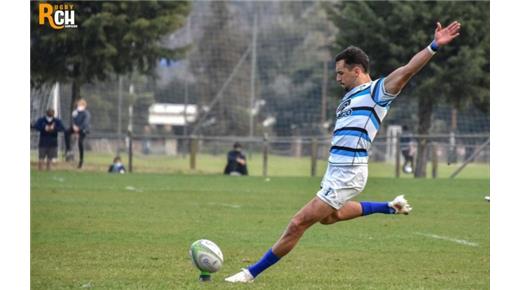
<point x="253" y="68"/>
<point x="167" y="154"/>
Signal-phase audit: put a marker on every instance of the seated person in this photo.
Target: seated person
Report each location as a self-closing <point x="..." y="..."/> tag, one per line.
<point x="117" y="166"/>
<point x="236" y="161"/>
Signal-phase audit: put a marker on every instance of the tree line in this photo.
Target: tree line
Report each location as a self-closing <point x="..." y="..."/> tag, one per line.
<point x="124" y="38"/>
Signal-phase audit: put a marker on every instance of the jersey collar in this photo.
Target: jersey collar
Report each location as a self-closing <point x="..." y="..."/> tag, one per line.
<point x="356" y="89"/>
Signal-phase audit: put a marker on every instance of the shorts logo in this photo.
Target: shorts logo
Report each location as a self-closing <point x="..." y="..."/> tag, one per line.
<point x="58" y="16"/>
<point x="328" y="191"/>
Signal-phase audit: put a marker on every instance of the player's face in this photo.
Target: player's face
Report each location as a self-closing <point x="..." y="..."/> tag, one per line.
<point x="346" y="77"/>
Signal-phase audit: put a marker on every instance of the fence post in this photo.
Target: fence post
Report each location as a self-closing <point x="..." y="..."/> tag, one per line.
<point x="193" y="152"/>
<point x="398" y="155"/>
<point x="314" y="156"/>
<point x="265" y="154"/>
<point x="435" y="160"/>
<point x="130" y="151"/>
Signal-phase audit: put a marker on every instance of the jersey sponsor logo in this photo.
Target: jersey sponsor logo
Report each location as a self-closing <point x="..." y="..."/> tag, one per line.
<point x="345" y="103"/>
<point x="344" y="114"/>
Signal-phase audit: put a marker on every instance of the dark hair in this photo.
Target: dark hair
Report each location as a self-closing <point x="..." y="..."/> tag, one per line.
<point x="237" y="145"/>
<point x="353" y="55"/>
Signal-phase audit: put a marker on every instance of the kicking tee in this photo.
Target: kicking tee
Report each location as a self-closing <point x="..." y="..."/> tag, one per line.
<point x="358" y="118"/>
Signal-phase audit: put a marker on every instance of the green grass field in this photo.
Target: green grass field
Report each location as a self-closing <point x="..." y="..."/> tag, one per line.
<point x="133" y="231"/>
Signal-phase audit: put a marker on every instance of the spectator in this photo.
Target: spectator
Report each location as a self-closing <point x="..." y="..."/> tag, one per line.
<point x="80" y="125"/>
<point x="236" y="161"/>
<point x="48" y="126"/>
<point x="117" y="166"/>
<point x="146" y="145"/>
<point x="407" y="149"/>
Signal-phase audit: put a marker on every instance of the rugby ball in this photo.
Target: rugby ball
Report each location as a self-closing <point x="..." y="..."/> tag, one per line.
<point x="206" y="256"/>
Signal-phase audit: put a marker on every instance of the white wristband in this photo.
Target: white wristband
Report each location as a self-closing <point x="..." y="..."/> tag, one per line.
<point x="431" y="50"/>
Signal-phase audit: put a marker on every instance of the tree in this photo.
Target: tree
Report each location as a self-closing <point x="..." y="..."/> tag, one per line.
<point x="218" y="49"/>
<point x="290" y="65"/>
<point x="392" y="32"/>
<point x="111" y="38"/>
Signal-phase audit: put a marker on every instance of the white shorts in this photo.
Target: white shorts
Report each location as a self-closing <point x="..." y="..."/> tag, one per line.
<point x="342" y="183"/>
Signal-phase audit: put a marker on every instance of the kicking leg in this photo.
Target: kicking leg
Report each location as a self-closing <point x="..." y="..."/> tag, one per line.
<point x="351" y="210"/>
<point x="354" y="209"/>
<point x="311" y="213"/>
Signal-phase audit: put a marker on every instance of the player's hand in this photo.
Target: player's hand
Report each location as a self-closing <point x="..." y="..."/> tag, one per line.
<point x="75" y="128"/>
<point x="445" y="35"/>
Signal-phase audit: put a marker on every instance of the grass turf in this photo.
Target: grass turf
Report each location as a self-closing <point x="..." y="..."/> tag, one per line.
<point x="101" y="231"/>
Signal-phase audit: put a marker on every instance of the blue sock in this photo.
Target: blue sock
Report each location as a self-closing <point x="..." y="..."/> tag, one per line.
<point x="370" y="207"/>
<point x="267" y="261"/>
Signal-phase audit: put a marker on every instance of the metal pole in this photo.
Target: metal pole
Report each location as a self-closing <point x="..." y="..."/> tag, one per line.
<point x="398" y="155"/>
<point x="452" y="154"/>
<point x="324" y="95"/>
<point x="130" y="118"/>
<point x="119" y="104"/>
<point x="253" y="73"/>
<point x="185" y="128"/>
<point x="130" y="135"/>
<point x="56" y="107"/>
<point x="479" y="149"/>
<point x="130" y="151"/>
<point x="265" y="156"/>
<point x="314" y="156"/>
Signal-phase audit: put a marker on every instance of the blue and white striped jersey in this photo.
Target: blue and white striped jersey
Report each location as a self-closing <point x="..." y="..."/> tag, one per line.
<point x="358" y="118"/>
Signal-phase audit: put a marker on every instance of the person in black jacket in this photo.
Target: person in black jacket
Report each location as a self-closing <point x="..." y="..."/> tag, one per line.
<point x="80" y="125"/>
<point x="48" y="126"/>
<point x="236" y="161"/>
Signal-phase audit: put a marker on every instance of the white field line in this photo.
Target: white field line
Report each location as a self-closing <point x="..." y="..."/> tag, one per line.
<point x="131" y="188"/>
<point x="225" y="204"/>
<point x="458" y="241"/>
<point x="58" y="179"/>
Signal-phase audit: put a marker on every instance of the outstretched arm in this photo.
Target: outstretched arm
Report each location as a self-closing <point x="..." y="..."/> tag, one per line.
<point x="396" y="81"/>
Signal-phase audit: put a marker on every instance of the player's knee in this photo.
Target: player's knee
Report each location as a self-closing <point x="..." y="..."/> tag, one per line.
<point x="327" y="221"/>
<point x="331" y="219"/>
<point x="296" y="226"/>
